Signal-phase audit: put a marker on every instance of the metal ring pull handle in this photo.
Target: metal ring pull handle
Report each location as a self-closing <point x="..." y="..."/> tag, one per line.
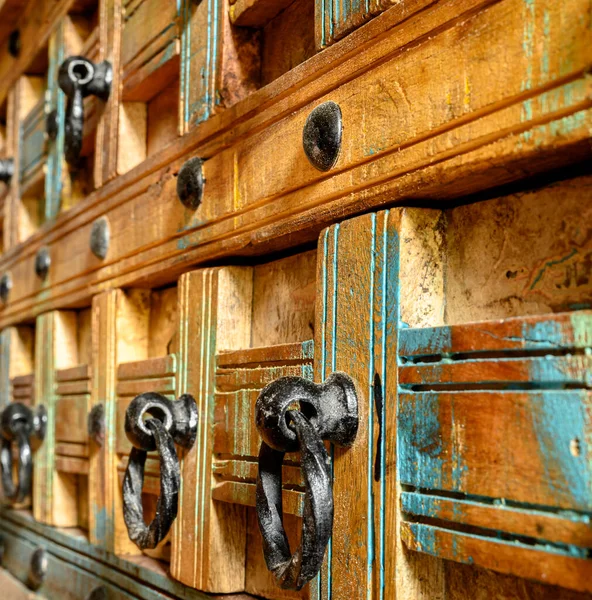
<point x="79" y="77"/>
<point x="171" y="423"/>
<point x="18" y="423"/>
<point x="328" y="411"/>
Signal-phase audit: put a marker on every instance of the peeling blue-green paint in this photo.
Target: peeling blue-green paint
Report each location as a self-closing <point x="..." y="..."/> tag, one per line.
<point x="420" y="460"/>
<point x="559" y="418"/>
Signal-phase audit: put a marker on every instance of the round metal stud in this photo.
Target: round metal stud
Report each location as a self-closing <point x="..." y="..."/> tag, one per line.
<point x="322" y="134"/>
<point x="6" y="169"/>
<point x="99" y="593"/>
<point x="51" y="125"/>
<point x="5" y="287"/>
<point x="38" y="568"/>
<point x="99" y="238"/>
<point x="96" y="424"/>
<point x="190" y="183"/>
<point x="42" y="262"/>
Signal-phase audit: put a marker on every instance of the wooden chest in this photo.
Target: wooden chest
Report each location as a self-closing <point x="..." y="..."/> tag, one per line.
<point x="296" y="299"/>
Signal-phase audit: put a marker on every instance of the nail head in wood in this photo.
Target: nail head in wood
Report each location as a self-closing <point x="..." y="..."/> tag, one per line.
<point x="38" y="568"/>
<point x="190" y="183"/>
<point x="5" y="287"/>
<point x="42" y="262"/>
<point x="100" y="237"/>
<point x="322" y="134"/>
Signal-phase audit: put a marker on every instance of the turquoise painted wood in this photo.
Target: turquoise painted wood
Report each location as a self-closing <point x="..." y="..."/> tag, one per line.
<point x="200" y="45"/>
<point x="494" y="438"/>
<point x="337" y="18"/>
<point x="55" y="100"/>
<point x="4" y="368"/>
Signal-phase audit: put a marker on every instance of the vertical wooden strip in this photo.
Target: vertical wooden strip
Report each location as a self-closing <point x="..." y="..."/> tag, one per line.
<point x="110" y="23"/>
<point x="356" y="333"/>
<point x="102" y="460"/>
<point x="55" y="100"/>
<point x="208" y="550"/>
<point x="4" y="368"/>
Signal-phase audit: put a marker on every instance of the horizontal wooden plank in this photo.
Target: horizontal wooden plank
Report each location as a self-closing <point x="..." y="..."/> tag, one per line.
<point x="74" y="388"/>
<point x="258" y="357"/>
<point x="77" y="373"/>
<point x="157" y="368"/>
<point x="256" y="13"/>
<point x="71" y="464"/>
<point x="488" y="140"/>
<point x="72" y="449"/>
<point x="234" y="380"/>
<point x="134" y="387"/>
<point x="520" y="334"/>
<point x="529" y="447"/>
<point x="236" y="492"/>
<point x="246" y="471"/>
<point x="23" y="380"/>
<point x="549" y="371"/>
<point x="538" y="563"/>
<point x="71" y="417"/>
<point x="556" y="527"/>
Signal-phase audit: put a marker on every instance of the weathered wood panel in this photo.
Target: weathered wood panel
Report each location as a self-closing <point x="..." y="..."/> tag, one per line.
<point x="500" y="413"/>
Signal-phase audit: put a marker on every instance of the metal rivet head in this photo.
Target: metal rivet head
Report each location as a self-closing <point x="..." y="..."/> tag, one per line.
<point x="51" y="124"/>
<point x="5" y="287"/>
<point x="190" y="183"/>
<point x="96" y="424"/>
<point x="42" y="262"/>
<point x="99" y="238"/>
<point x="38" y="568"/>
<point x="322" y="135"/>
<point x="99" y="593"/>
<point x="6" y="169"/>
<point x="14" y="43"/>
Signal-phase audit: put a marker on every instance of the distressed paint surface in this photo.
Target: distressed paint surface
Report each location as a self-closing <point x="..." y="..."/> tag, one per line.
<point x="55" y="100"/>
<point x="337" y="18"/>
<point x="483" y="414"/>
<point x="4" y="368"/>
<point x="199" y="59"/>
<point x="357" y="313"/>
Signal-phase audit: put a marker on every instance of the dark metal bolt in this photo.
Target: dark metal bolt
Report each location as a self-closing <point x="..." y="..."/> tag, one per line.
<point x="6" y="169"/>
<point x="99" y="593"/>
<point x="322" y="136"/>
<point x="100" y="237"/>
<point x="96" y="424"/>
<point x="38" y="568"/>
<point x="14" y="43"/>
<point x="190" y="183"/>
<point x="42" y="262"/>
<point x="51" y="125"/>
<point x="5" y="287"/>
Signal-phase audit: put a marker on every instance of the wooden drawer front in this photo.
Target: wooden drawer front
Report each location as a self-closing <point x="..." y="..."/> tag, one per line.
<point x="33" y="142"/>
<point x="240" y="376"/>
<point x="493" y="436"/>
<point x="152" y="375"/>
<point x="70" y="575"/>
<point x="240" y="330"/>
<point x="23" y="389"/>
<point x="150" y="47"/>
<point x="72" y="409"/>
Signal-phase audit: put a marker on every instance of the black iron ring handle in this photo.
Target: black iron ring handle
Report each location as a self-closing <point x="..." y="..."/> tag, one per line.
<point x="328" y="411"/>
<point x="293" y="571"/>
<point x="79" y="77"/>
<point x="149" y="536"/>
<point x="18" y="423"/>
<point x="172" y="422"/>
